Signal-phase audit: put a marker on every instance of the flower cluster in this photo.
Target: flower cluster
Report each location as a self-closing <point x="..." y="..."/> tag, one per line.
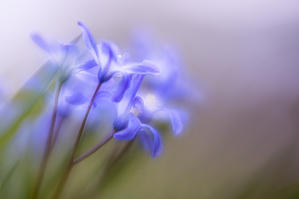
<point x="89" y="90"/>
<point x="139" y="92"/>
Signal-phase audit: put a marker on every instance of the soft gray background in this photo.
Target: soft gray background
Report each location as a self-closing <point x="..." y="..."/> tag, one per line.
<point x="243" y="54"/>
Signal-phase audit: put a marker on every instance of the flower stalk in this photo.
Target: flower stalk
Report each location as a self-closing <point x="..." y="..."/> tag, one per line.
<point x="70" y="163"/>
<point x="49" y="146"/>
<point x="94" y="149"/>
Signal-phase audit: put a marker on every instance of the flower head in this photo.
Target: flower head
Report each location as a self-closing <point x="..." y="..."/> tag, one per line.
<point x="161" y="96"/>
<point x="67" y="57"/>
<point x="128" y="125"/>
<point x="109" y="60"/>
<point x="104" y="65"/>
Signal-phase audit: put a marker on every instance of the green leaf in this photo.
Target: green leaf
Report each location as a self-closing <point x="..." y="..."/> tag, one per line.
<point x="27" y="103"/>
<point x="7" y="176"/>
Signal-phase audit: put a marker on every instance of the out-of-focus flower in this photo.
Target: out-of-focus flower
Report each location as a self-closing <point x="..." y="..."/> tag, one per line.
<point x="173" y="84"/>
<point x="161" y="96"/>
<point x="152" y="106"/>
<point x="67" y="57"/>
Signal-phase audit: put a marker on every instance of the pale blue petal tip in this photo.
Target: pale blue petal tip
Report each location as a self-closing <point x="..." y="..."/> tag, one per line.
<point x="176" y="122"/>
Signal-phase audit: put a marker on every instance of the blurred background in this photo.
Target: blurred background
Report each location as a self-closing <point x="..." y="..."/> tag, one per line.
<point x="242" y="141"/>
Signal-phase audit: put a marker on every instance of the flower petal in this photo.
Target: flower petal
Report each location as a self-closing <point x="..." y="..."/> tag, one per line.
<point x="139" y="103"/>
<point x="121" y="88"/>
<point x="146" y="140"/>
<point x="157" y="146"/>
<point x="88" y="65"/>
<point x="89" y="41"/>
<point x="111" y="49"/>
<point x="176" y="122"/>
<point x="130" y="131"/>
<point x="76" y="99"/>
<point x="144" y="114"/>
<point x="176" y="119"/>
<point x="39" y="40"/>
<point x="143" y="68"/>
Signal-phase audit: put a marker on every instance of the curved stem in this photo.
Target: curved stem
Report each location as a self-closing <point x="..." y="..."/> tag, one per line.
<point x="94" y="149"/>
<point x="57" y="130"/>
<point x="48" y="148"/>
<point x="69" y="167"/>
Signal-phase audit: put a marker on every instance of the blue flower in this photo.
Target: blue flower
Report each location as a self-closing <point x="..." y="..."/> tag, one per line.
<point x="67" y="57"/>
<point x="76" y="93"/>
<point x="152" y="107"/>
<point x="138" y="107"/>
<point x="173" y="84"/>
<point x="158" y="101"/>
<point x="109" y="61"/>
<point x="104" y="65"/>
<point x="127" y="125"/>
<point x="159" y="98"/>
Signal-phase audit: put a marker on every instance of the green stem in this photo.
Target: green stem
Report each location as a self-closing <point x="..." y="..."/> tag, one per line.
<point x="57" y="130"/>
<point x="94" y="149"/>
<point x="95" y="187"/>
<point x="70" y="164"/>
<point x="48" y="149"/>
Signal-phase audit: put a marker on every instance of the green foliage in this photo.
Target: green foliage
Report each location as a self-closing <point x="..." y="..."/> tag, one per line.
<point x="27" y="103"/>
